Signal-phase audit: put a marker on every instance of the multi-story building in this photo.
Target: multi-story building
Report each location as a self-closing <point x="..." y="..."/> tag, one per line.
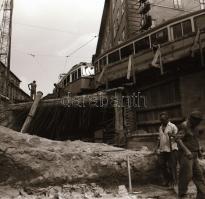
<point x="15" y="93"/>
<point x="123" y="19"/>
<point x="164" y="63"/>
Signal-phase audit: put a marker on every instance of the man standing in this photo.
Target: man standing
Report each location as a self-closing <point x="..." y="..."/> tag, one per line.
<point x="57" y="91"/>
<point x="167" y="149"/>
<point x="32" y="87"/>
<point x="189" y="149"/>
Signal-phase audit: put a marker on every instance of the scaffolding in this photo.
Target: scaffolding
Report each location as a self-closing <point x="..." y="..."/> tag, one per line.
<point x="5" y="40"/>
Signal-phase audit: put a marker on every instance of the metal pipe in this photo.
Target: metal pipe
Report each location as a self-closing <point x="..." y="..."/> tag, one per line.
<point x="129" y="174"/>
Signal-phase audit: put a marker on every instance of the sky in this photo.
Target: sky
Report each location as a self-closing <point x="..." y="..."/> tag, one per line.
<point x="45" y="32"/>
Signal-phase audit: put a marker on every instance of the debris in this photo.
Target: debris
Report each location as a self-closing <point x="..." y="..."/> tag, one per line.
<point x="38" y="168"/>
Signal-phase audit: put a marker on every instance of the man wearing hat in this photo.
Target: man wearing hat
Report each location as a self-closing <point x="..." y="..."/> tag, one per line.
<point x="189" y="148"/>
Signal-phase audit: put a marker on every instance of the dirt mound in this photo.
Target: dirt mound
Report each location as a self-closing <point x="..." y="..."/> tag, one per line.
<point x="30" y="160"/>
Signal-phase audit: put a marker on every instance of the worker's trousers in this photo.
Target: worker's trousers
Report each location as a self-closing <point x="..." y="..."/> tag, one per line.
<point x="168" y="166"/>
<point x="191" y="170"/>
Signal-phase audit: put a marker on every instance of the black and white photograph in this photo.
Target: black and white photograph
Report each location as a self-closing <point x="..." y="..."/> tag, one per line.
<point x="102" y="99"/>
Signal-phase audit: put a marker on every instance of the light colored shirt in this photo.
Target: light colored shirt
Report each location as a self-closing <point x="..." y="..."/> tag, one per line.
<point x="164" y="137"/>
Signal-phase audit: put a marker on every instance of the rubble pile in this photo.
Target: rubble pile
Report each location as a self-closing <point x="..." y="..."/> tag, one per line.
<point x="32" y="168"/>
<point x="89" y="191"/>
<point x="31" y="160"/>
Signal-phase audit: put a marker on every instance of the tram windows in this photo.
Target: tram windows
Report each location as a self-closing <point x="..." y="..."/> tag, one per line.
<point x="182" y="29"/>
<point x="113" y="57"/>
<point x="126" y="51"/>
<point x="79" y="73"/>
<point x="74" y="76"/>
<point x="177" y="31"/>
<point x="160" y="37"/>
<point x="68" y="79"/>
<point x="142" y="44"/>
<point x="186" y="26"/>
<point x="64" y="82"/>
<point x="199" y="22"/>
<point x="103" y="61"/>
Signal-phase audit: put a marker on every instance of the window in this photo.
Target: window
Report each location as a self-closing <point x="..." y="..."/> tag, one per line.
<point x="103" y="61"/>
<point x="186" y="27"/>
<point x="202" y="3"/>
<point x="115" y="29"/>
<point x="118" y="17"/>
<point x="123" y="34"/>
<point x="160" y="37"/>
<point x="74" y="76"/>
<point x="122" y="5"/>
<point x="182" y="29"/>
<point x="79" y="73"/>
<point x="68" y="79"/>
<point x="177" y="3"/>
<point x="177" y="31"/>
<point x="64" y="82"/>
<point x="142" y="44"/>
<point x="154" y="23"/>
<point x="113" y="57"/>
<point x="113" y="4"/>
<point x="199" y="22"/>
<point x="127" y="50"/>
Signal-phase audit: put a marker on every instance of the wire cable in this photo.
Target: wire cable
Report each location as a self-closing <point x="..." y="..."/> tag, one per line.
<point x="44" y="28"/>
<point x="72" y="53"/>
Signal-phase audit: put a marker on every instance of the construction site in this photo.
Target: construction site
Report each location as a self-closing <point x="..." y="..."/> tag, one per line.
<point x="96" y="135"/>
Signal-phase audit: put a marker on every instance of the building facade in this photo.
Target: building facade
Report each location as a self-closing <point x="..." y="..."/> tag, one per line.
<point x="123" y="19"/>
<point x="15" y="93"/>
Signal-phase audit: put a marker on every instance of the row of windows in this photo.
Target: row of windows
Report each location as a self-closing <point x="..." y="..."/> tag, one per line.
<point x="75" y="75"/>
<point x="202" y="3"/>
<point x="178" y="3"/>
<point x="179" y="30"/>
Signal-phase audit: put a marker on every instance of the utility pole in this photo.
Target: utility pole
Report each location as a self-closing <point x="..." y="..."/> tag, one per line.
<point x="5" y="41"/>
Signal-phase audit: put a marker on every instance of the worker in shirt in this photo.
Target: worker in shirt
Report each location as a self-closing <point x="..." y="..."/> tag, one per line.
<point x="167" y="150"/>
<point x="189" y="149"/>
<point x="32" y="87"/>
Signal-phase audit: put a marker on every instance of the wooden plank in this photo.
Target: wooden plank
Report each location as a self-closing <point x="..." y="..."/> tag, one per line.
<point x="63" y="101"/>
<point x="32" y="112"/>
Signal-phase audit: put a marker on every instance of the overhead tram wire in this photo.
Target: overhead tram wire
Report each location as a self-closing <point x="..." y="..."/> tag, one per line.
<point x="33" y="54"/>
<point x="75" y="51"/>
<point x="44" y="28"/>
<point x="72" y="53"/>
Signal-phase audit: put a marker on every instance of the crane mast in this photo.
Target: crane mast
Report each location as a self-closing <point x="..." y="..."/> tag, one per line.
<point x="5" y="40"/>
